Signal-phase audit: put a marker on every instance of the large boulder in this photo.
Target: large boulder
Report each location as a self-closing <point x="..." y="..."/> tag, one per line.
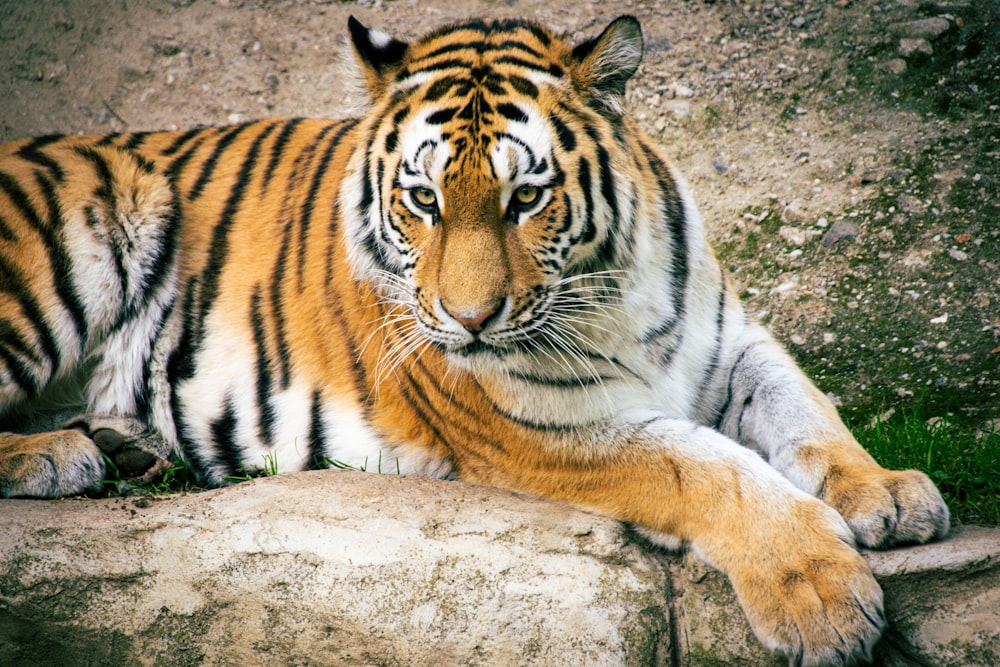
<point x="342" y="568"/>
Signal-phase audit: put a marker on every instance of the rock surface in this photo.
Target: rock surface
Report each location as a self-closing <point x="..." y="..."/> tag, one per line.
<point x="343" y="568"/>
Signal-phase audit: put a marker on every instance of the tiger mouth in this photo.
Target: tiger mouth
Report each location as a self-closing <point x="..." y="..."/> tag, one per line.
<point x="478" y="347"/>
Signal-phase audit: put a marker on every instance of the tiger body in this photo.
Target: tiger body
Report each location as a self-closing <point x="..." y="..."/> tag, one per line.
<point x="492" y="275"/>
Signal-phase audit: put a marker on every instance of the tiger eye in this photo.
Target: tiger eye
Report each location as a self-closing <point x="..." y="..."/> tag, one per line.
<point x="424" y="197"/>
<point x="527" y="195"/>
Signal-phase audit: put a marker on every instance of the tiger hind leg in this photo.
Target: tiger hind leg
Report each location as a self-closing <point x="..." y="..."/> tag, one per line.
<point x="87" y="277"/>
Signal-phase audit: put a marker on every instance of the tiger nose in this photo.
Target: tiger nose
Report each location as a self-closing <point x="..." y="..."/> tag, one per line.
<point x="474" y="320"/>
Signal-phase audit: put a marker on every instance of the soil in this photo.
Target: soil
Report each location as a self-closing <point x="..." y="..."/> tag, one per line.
<point x="845" y="153"/>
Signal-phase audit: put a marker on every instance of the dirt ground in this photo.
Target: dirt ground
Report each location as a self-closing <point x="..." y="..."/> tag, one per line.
<point x="845" y="153"/>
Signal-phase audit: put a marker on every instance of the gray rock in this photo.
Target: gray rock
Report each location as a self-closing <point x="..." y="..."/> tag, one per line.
<point x="909" y="47"/>
<point x="329" y="568"/>
<point x="840" y="230"/>
<point x="929" y="28"/>
<point x="343" y="568"/>
<point x="896" y="65"/>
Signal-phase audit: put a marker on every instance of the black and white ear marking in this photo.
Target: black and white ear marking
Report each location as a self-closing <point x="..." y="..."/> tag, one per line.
<point x="608" y="61"/>
<point x="379" y="54"/>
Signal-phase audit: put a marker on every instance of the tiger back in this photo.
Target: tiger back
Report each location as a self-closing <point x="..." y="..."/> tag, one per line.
<point x="492" y="274"/>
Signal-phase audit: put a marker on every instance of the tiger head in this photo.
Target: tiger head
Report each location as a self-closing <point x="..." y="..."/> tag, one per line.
<point x="492" y="190"/>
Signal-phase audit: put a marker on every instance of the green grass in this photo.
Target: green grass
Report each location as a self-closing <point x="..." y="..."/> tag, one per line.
<point x="964" y="464"/>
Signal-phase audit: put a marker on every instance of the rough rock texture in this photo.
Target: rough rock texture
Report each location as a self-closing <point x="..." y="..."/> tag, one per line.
<point x="342" y="568"/>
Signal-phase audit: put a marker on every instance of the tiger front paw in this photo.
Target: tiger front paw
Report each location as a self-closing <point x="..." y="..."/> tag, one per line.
<point x="49" y="465"/>
<point x="807" y="592"/>
<point x="887" y="507"/>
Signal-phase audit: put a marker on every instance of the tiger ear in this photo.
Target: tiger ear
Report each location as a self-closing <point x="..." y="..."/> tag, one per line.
<point x="608" y="61"/>
<point x="379" y="55"/>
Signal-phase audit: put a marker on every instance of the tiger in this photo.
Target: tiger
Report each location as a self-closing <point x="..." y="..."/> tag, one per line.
<point x="490" y="274"/>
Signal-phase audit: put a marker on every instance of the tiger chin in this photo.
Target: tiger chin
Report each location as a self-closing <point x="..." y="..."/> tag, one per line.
<point x="491" y="274"/>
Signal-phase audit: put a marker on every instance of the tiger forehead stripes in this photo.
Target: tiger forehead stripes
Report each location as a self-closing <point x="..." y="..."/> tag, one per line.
<point x="491" y="274"/>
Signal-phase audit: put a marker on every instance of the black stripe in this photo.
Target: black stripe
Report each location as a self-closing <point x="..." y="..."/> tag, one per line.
<point x="469" y="418"/>
<point x="209" y="165"/>
<point x="181" y="366"/>
<point x="166" y="252"/>
<point x="12" y="282"/>
<point x="442" y="116"/>
<point x="20" y="372"/>
<point x="512" y="112"/>
<point x="6" y="233"/>
<point x="317" y="435"/>
<point x="229" y="455"/>
<point x="481" y="47"/>
<point x="589" y="232"/>
<point x="181" y="160"/>
<point x="94" y="222"/>
<point x="31" y="152"/>
<point x="448" y="63"/>
<point x="523" y="86"/>
<point x="534" y="425"/>
<point x="391" y="141"/>
<point x="136" y="140"/>
<point x="465" y="426"/>
<point x="727" y="404"/>
<point x="477" y="46"/>
<point x="183" y="139"/>
<point x="713" y="359"/>
<point x="278" y="311"/>
<point x="62" y="273"/>
<point x="567" y="140"/>
<point x="548" y="68"/>
<point x="278" y="149"/>
<point x="607" y="180"/>
<point x="563" y="383"/>
<point x="145" y="391"/>
<point x="12" y="348"/>
<point x="434" y="92"/>
<point x="218" y="253"/>
<point x="108" y="139"/>
<point x="265" y="411"/>
<point x="320" y="170"/>
<point x="367" y="195"/>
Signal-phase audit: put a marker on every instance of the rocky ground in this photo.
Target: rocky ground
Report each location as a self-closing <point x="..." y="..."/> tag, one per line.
<point x="845" y="153"/>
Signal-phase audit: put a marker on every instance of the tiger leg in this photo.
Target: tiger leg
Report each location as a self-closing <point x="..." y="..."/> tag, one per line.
<point x="87" y="274"/>
<point x="776" y="410"/>
<point x="791" y="558"/>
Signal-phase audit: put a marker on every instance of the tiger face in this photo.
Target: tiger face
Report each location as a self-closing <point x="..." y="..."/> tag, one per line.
<point x="489" y="200"/>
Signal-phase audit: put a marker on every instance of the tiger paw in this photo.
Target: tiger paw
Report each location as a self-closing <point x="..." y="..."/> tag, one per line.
<point x="808" y="594"/>
<point x="49" y="465"/>
<point x="138" y="454"/>
<point x="887" y="507"/>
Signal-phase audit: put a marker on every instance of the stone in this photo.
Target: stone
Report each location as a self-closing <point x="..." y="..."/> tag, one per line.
<point x="347" y="568"/>
<point x="793" y="235"/>
<point x="840" y="230"/>
<point x="896" y="65"/>
<point x="328" y="568"/>
<point x="929" y="28"/>
<point x="909" y="47"/>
